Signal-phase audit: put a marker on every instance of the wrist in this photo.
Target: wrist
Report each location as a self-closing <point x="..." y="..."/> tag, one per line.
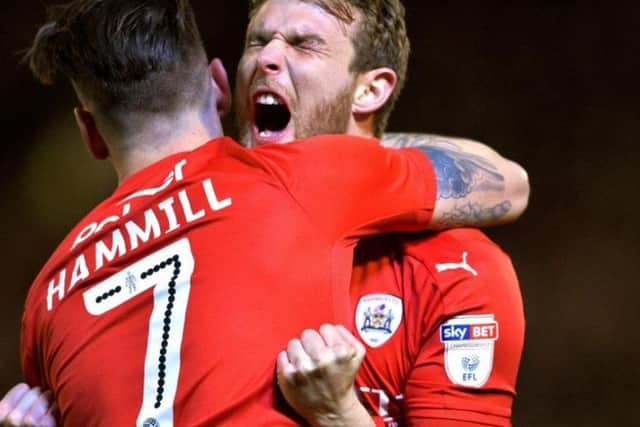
<point x="349" y="413"/>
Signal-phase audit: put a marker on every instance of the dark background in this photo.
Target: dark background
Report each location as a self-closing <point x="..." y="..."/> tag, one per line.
<point x="552" y="86"/>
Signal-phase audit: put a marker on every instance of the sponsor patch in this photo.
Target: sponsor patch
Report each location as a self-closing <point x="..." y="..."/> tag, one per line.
<point x="468" y="348"/>
<point x="378" y="317"/>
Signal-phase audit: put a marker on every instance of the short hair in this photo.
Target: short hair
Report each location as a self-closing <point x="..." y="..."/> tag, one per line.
<point x="124" y="55"/>
<point x="380" y="40"/>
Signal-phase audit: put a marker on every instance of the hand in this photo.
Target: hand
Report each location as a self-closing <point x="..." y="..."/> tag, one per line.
<point x="26" y="407"/>
<point x="316" y="375"/>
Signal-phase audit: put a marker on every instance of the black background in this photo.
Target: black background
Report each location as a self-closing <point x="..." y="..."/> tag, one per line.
<point x="551" y="85"/>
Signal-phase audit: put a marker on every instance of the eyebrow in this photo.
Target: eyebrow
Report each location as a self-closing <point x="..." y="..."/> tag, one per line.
<point x="295" y="35"/>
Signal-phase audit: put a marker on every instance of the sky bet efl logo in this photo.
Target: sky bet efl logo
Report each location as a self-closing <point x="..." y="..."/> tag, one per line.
<point x="468" y="348"/>
<point x="469" y="332"/>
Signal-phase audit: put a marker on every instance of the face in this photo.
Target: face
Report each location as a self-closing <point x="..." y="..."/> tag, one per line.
<point x="293" y="79"/>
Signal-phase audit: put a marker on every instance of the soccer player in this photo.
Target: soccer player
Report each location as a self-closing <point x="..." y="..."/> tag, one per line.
<point x="151" y="290"/>
<point x="440" y="313"/>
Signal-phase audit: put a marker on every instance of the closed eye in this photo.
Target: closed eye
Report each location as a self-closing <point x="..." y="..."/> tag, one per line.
<point x="306" y="41"/>
<point x="255" y="42"/>
<point x="256" y="39"/>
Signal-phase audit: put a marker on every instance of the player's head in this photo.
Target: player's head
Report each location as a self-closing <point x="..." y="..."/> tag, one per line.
<point x="320" y="66"/>
<point x="130" y="61"/>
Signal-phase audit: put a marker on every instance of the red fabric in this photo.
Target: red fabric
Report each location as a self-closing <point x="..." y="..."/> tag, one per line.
<point x="379" y="421"/>
<point x="409" y="369"/>
<point x="251" y="266"/>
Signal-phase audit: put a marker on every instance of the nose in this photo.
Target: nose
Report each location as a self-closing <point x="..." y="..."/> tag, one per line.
<point x="271" y="57"/>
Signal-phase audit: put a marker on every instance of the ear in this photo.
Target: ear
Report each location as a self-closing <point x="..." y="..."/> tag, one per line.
<point x="221" y="80"/>
<point x="373" y="90"/>
<point x="90" y="134"/>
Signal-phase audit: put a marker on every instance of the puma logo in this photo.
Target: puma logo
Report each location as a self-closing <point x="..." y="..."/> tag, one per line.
<point x="464" y="265"/>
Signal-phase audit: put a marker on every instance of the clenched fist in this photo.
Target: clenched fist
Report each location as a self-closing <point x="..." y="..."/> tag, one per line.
<point x="316" y="375"/>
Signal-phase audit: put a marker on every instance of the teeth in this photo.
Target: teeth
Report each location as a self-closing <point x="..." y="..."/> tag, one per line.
<point x="268" y="99"/>
<point x="265" y="133"/>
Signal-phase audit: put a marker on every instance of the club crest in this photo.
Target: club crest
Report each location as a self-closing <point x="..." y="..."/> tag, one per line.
<point x="468" y="348"/>
<point x="378" y="317"/>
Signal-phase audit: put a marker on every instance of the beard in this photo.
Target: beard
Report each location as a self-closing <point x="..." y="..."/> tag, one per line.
<point x="327" y="117"/>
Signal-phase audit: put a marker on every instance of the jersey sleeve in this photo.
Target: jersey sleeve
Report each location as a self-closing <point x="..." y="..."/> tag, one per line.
<point x="472" y="337"/>
<point x="29" y="360"/>
<point x="353" y="186"/>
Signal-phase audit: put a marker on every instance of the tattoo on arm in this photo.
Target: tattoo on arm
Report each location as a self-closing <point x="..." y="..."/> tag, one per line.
<point x="465" y="213"/>
<point x="458" y="174"/>
<point x="402" y="140"/>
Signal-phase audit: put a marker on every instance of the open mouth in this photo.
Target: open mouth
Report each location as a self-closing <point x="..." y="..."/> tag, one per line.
<point x="272" y="115"/>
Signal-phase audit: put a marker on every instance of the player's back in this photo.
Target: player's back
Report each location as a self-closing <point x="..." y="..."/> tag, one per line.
<point x="169" y="302"/>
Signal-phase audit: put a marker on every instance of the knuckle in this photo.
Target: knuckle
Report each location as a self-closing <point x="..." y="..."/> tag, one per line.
<point x="324" y="357"/>
<point x="304" y="366"/>
<point x="308" y="335"/>
<point x="293" y="345"/>
<point x="293" y="341"/>
<point x="327" y="328"/>
<point x="344" y="352"/>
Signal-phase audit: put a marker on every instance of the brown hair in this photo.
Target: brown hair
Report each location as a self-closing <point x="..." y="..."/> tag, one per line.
<point x="124" y="55"/>
<point x="380" y="40"/>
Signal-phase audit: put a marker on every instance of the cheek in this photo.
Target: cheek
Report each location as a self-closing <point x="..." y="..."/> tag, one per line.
<point x="328" y="73"/>
<point x="316" y="79"/>
<point x="242" y="83"/>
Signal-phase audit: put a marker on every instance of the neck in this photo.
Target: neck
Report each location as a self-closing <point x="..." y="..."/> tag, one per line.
<point x="361" y="126"/>
<point x="160" y="138"/>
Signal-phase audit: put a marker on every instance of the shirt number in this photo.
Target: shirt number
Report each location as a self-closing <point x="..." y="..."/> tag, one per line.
<point x="168" y="271"/>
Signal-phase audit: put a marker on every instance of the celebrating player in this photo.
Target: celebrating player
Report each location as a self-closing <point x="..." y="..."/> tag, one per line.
<point x="440" y="313"/>
<point x="151" y="290"/>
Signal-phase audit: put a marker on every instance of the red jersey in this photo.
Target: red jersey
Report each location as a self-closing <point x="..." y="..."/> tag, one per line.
<point x="442" y="317"/>
<point x="168" y="303"/>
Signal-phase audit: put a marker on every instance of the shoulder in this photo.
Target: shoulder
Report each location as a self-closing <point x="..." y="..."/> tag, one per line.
<point x="434" y="247"/>
<point x="459" y="260"/>
<point x="328" y="145"/>
<point x="340" y="139"/>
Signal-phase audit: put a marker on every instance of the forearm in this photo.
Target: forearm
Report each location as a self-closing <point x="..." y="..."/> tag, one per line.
<point x="404" y="140"/>
<point x="476" y="185"/>
<point x="351" y="414"/>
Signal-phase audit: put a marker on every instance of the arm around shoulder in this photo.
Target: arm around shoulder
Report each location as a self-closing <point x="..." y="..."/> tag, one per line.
<point x="476" y="185"/>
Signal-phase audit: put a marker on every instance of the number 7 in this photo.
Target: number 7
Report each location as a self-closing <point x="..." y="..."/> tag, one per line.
<point x="168" y="271"/>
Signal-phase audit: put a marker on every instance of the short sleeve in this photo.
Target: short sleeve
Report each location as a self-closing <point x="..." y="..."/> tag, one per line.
<point x="466" y="368"/>
<point x="353" y="186"/>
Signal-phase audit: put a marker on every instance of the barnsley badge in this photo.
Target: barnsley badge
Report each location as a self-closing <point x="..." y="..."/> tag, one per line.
<point x="378" y="317"/>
